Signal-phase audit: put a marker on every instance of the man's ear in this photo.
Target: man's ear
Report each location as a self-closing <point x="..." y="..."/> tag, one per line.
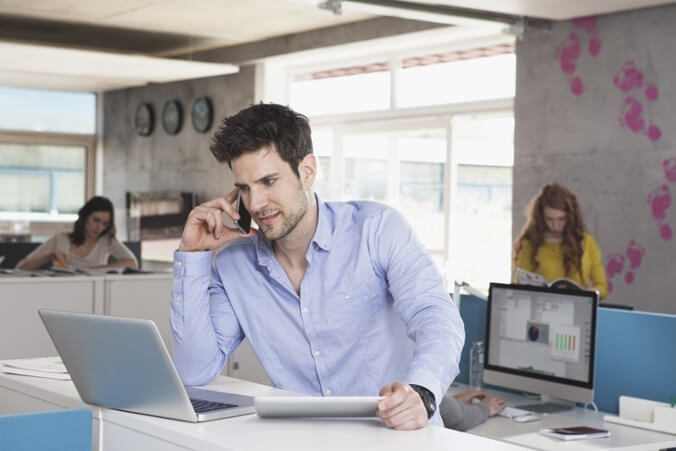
<point x="307" y="170"/>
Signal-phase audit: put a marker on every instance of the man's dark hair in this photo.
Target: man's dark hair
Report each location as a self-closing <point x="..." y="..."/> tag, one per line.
<point x="259" y="126"/>
<point x="96" y="203"/>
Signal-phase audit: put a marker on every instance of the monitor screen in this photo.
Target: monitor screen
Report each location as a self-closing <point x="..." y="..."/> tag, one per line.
<point x="541" y="334"/>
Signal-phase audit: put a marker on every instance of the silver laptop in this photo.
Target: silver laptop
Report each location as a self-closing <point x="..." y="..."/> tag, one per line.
<point x="122" y="363"/>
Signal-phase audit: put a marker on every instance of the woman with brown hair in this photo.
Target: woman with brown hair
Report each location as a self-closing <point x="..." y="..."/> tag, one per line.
<point x="88" y="246"/>
<point x="554" y="242"/>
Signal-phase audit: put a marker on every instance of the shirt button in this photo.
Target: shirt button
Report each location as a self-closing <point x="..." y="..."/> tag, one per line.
<point x="347" y="296"/>
<point x="178" y="298"/>
<point x="327" y="392"/>
<point x="316" y="353"/>
<point x="179" y="263"/>
<point x="305" y="310"/>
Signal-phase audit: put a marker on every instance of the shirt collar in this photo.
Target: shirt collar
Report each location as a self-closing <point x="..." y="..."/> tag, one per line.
<point x="321" y="238"/>
<point x="323" y="234"/>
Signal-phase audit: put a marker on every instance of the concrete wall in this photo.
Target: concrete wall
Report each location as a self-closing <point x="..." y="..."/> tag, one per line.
<point x="594" y="102"/>
<point x="163" y="162"/>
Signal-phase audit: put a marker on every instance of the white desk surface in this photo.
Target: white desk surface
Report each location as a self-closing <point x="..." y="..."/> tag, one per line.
<point x="526" y="434"/>
<point x="121" y="430"/>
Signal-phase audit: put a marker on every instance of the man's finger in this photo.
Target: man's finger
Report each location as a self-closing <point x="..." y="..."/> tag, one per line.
<point x="386" y="390"/>
<point x="411" y="402"/>
<point x="399" y="394"/>
<point x="222" y="205"/>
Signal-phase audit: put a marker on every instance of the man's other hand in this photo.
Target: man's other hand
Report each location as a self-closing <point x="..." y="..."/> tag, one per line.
<point x="402" y="408"/>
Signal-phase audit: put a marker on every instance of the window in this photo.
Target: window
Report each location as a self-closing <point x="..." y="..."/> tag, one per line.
<point x="42" y="178"/>
<point x="365" y="88"/>
<point x="40" y="110"/>
<point x="46" y="160"/>
<point x="481" y="214"/>
<point x="431" y="135"/>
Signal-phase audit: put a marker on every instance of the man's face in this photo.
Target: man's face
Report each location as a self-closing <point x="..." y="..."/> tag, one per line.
<point x="274" y="195"/>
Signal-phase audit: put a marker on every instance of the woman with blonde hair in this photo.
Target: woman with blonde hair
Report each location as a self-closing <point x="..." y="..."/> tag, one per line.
<point x="555" y="243"/>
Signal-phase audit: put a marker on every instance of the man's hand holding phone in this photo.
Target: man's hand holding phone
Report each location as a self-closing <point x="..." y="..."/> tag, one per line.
<point x="205" y="228"/>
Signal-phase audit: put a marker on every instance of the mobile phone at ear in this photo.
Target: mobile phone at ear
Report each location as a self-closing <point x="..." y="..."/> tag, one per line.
<point x="244" y="221"/>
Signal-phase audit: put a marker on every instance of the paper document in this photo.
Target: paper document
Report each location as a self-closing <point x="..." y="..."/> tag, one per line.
<point x="48" y="367"/>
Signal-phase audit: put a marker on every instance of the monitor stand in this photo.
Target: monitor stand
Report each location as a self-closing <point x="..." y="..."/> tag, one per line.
<point x="548" y="405"/>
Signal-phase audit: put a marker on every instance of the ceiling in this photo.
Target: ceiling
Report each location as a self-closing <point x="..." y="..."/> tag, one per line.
<point x="167" y="28"/>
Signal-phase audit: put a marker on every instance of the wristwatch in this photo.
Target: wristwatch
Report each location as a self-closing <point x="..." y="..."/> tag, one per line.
<point x="427" y="398"/>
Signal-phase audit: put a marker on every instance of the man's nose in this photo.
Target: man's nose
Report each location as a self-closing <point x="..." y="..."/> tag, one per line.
<point x="257" y="200"/>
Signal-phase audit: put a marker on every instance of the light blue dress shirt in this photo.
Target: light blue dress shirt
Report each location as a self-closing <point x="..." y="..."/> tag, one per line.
<point x="372" y="309"/>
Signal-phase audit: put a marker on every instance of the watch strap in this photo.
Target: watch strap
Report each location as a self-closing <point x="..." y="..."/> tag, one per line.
<point x="427" y="397"/>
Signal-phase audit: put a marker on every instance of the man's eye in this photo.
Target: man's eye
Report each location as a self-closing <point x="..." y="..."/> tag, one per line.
<point x="244" y="189"/>
<point x="268" y="181"/>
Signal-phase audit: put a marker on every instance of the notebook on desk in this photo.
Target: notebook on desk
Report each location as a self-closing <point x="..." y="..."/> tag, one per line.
<point x="123" y="364"/>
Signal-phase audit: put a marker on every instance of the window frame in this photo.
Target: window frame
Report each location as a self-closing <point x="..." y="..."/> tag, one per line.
<point x="88" y="142"/>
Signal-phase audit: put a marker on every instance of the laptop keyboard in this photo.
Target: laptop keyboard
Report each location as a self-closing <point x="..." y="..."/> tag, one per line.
<point x="202" y="405"/>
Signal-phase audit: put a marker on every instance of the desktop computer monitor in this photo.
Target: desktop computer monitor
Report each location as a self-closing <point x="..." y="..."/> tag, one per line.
<point x="541" y="340"/>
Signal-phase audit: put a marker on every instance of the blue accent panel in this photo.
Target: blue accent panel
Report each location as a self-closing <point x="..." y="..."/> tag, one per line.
<point x="59" y="430"/>
<point x="634" y="356"/>
<point x="473" y="313"/>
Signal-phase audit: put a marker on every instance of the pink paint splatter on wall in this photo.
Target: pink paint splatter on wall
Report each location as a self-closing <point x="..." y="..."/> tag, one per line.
<point x="627" y="79"/>
<point x="669" y="166"/>
<point x="660" y="201"/>
<point x="616" y="262"/>
<point x="569" y="50"/>
<point x="635" y="253"/>
<point x="631" y="115"/>
<point x="588" y="24"/>
<point x="614" y="265"/>
<point x="594" y="46"/>
<point x="651" y="93"/>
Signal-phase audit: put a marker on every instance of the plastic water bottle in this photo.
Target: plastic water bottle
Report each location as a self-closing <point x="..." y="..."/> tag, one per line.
<point x="476" y="365"/>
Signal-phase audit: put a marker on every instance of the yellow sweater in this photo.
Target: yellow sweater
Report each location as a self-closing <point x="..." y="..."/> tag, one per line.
<point x="550" y="259"/>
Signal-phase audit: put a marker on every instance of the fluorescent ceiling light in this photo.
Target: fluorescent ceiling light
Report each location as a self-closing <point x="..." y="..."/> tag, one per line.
<point x="26" y="65"/>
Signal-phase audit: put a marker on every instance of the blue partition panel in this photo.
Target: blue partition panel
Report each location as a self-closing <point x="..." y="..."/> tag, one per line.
<point x="473" y="312"/>
<point x="635" y="356"/>
<point x="635" y="352"/>
<point x="59" y="430"/>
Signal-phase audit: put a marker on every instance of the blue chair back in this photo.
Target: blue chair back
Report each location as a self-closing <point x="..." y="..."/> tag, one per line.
<point x="58" y="430"/>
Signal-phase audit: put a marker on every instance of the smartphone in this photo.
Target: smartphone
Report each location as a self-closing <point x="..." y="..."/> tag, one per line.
<point x="244" y="221"/>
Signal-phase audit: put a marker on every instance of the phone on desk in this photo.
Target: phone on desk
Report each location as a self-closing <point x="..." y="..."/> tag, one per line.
<point x="244" y="221"/>
<point x="576" y="433"/>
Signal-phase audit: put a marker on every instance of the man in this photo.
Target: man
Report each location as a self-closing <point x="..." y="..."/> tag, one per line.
<point x="335" y="298"/>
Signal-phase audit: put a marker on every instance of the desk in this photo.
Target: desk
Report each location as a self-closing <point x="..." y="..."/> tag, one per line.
<point x="114" y="430"/>
<point x="22" y="333"/>
<point x="526" y="434"/>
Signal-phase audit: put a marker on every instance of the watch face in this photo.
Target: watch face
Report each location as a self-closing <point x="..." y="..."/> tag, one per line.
<point x="172" y="117"/>
<point x="144" y="119"/>
<point x="202" y="114"/>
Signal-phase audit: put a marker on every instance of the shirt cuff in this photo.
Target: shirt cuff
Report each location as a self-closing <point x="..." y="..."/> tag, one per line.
<point x="427" y="380"/>
<point x="191" y="264"/>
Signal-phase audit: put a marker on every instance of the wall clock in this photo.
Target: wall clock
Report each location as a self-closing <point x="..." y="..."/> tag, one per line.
<point x="172" y="117"/>
<point x="202" y="114"/>
<point x="144" y="119"/>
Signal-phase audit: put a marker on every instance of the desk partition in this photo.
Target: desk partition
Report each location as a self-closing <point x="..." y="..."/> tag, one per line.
<point x="634" y="352"/>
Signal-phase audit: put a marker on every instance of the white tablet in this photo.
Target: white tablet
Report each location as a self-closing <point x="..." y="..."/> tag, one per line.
<point x="316" y="406"/>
